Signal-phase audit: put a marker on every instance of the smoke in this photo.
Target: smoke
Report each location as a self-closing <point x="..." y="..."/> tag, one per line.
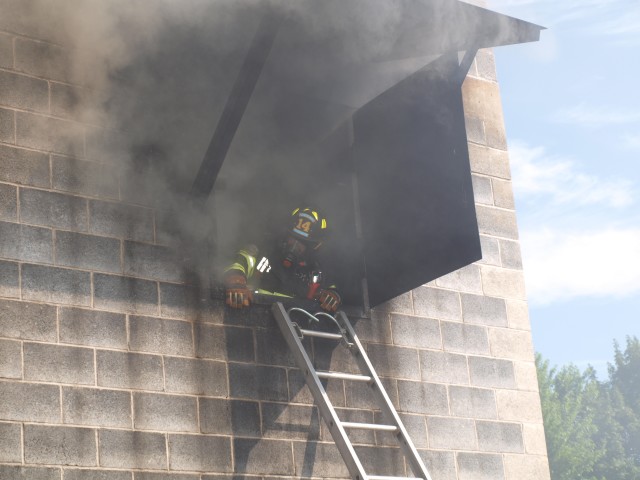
<point x="158" y="73"/>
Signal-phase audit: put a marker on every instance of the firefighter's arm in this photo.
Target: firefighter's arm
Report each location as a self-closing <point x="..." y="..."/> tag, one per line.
<point x="237" y="293"/>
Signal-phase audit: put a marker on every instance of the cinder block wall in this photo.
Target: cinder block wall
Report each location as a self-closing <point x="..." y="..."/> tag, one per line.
<point x="113" y="368"/>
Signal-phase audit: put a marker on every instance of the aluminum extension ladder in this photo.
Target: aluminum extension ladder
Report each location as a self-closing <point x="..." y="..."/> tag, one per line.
<point x="293" y="334"/>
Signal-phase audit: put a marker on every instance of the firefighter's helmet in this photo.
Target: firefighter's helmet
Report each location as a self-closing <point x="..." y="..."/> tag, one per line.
<point x="308" y="225"/>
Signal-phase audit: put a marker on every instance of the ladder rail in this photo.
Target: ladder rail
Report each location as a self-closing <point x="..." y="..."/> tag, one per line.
<point x="366" y="367"/>
<point x="329" y="414"/>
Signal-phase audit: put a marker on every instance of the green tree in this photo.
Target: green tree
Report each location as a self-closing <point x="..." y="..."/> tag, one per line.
<point x="569" y="401"/>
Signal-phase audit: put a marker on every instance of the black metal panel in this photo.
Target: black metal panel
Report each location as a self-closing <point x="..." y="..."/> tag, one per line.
<point x="416" y="197"/>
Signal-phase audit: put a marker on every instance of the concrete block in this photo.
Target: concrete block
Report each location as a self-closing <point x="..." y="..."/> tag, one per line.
<point x="511" y="344"/>
<point x="9" y="280"/>
<point x="534" y="439"/>
<point x="153" y="261"/>
<point x="503" y="193"/>
<point x="480" y="466"/>
<point x="23" y="92"/>
<point x="6" y="51"/>
<point x="86" y="474"/>
<point x="490" y="251"/>
<point x="498" y="222"/>
<point x="441" y="465"/>
<point x="171" y="337"/>
<point x="491" y="373"/>
<point x="129" y="370"/>
<point x="56" y="285"/>
<point x="483" y="310"/>
<point x="382" y="460"/>
<point x="421" y="397"/>
<point x="416" y="331"/>
<point x="24" y="166"/>
<point x="25" y="243"/>
<point x="472" y="402"/>
<point x="526" y="376"/>
<point x="253" y="382"/>
<point x="318" y="460"/>
<point x="519" y="406"/>
<point x="45" y="60"/>
<point x="11" y="355"/>
<point x="482" y="192"/>
<point x="366" y="437"/>
<point x="92" y="327"/>
<point x="500" y="282"/>
<point x="489" y="161"/>
<point x="299" y="392"/>
<point x="125" y="294"/>
<point x="437" y="303"/>
<point x="415" y="425"/>
<point x="28" y="473"/>
<point x="49" y="134"/>
<point x="169" y="476"/>
<point x="56" y="363"/>
<point x="359" y="395"/>
<point x="99" y="407"/>
<point x="518" y="314"/>
<point x="500" y="437"/>
<point x="272" y="349"/>
<point x="121" y="220"/>
<point x="329" y="355"/>
<point x="196" y="377"/>
<point x="200" y="453"/>
<point x="285" y="421"/>
<point x="465" y="279"/>
<point x="27" y="321"/>
<point x="400" y="304"/>
<point x="475" y="130"/>
<point x="53" y="209"/>
<point x="88" y="178"/>
<point x="452" y="433"/>
<point x="77" y="103"/>
<point x="377" y="329"/>
<point x="190" y="303"/>
<point x="463" y="338"/>
<point x="510" y="255"/>
<point x="526" y="467"/>
<point x="8" y="202"/>
<point x="230" y="417"/>
<point x="132" y="449"/>
<point x="10" y="443"/>
<point x="224" y="343"/>
<point x="396" y="362"/>
<point x="7" y="126"/>
<point x="486" y="64"/>
<point x="29" y="402"/>
<point x="87" y="251"/>
<point x="174" y="413"/>
<point x="59" y="445"/>
<point x="444" y="367"/>
<point x="106" y="145"/>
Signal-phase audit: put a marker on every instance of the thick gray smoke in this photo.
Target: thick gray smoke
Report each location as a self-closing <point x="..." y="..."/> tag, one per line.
<point x="158" y="74"/>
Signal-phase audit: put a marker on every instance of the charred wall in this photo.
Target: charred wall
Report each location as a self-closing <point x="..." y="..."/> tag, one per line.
<point x="116" y="364"/>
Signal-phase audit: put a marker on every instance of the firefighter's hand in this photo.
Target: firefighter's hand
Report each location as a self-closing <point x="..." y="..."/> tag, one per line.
<point x="329" y="300"/>
<point x="237" y="295"/>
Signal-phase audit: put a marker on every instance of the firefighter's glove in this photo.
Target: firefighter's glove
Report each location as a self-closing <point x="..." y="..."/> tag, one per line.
<point x="237" y="295"/>
<point x="329" y="300"/>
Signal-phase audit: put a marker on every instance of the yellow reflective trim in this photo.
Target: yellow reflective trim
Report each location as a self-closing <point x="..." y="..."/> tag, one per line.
<point x="324" y="223"/>
<point x="251" y="262"/>
<point x="275" y="294"/>
<point x="295" y="211"/>
<point x="236" y="266"/>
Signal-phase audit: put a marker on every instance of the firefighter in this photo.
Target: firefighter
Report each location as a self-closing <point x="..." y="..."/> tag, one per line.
<point x="288" y="269"/>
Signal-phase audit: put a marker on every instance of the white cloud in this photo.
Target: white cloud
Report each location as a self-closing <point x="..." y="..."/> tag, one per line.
<point x="565" y="265"/>
<point x="556" y="180"/>
<point x="631" y="141"/>
<point x="589" y="116"/>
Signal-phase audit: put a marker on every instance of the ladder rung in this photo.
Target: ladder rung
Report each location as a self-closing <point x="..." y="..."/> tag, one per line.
<point x="370" y="426"/>
<point x="344" y="376"/>
<point x="378" y="477"/>
<point x="315" y="333"/>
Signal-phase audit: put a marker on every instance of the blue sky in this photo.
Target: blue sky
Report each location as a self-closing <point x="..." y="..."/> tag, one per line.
<point x="572" y="114"/>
